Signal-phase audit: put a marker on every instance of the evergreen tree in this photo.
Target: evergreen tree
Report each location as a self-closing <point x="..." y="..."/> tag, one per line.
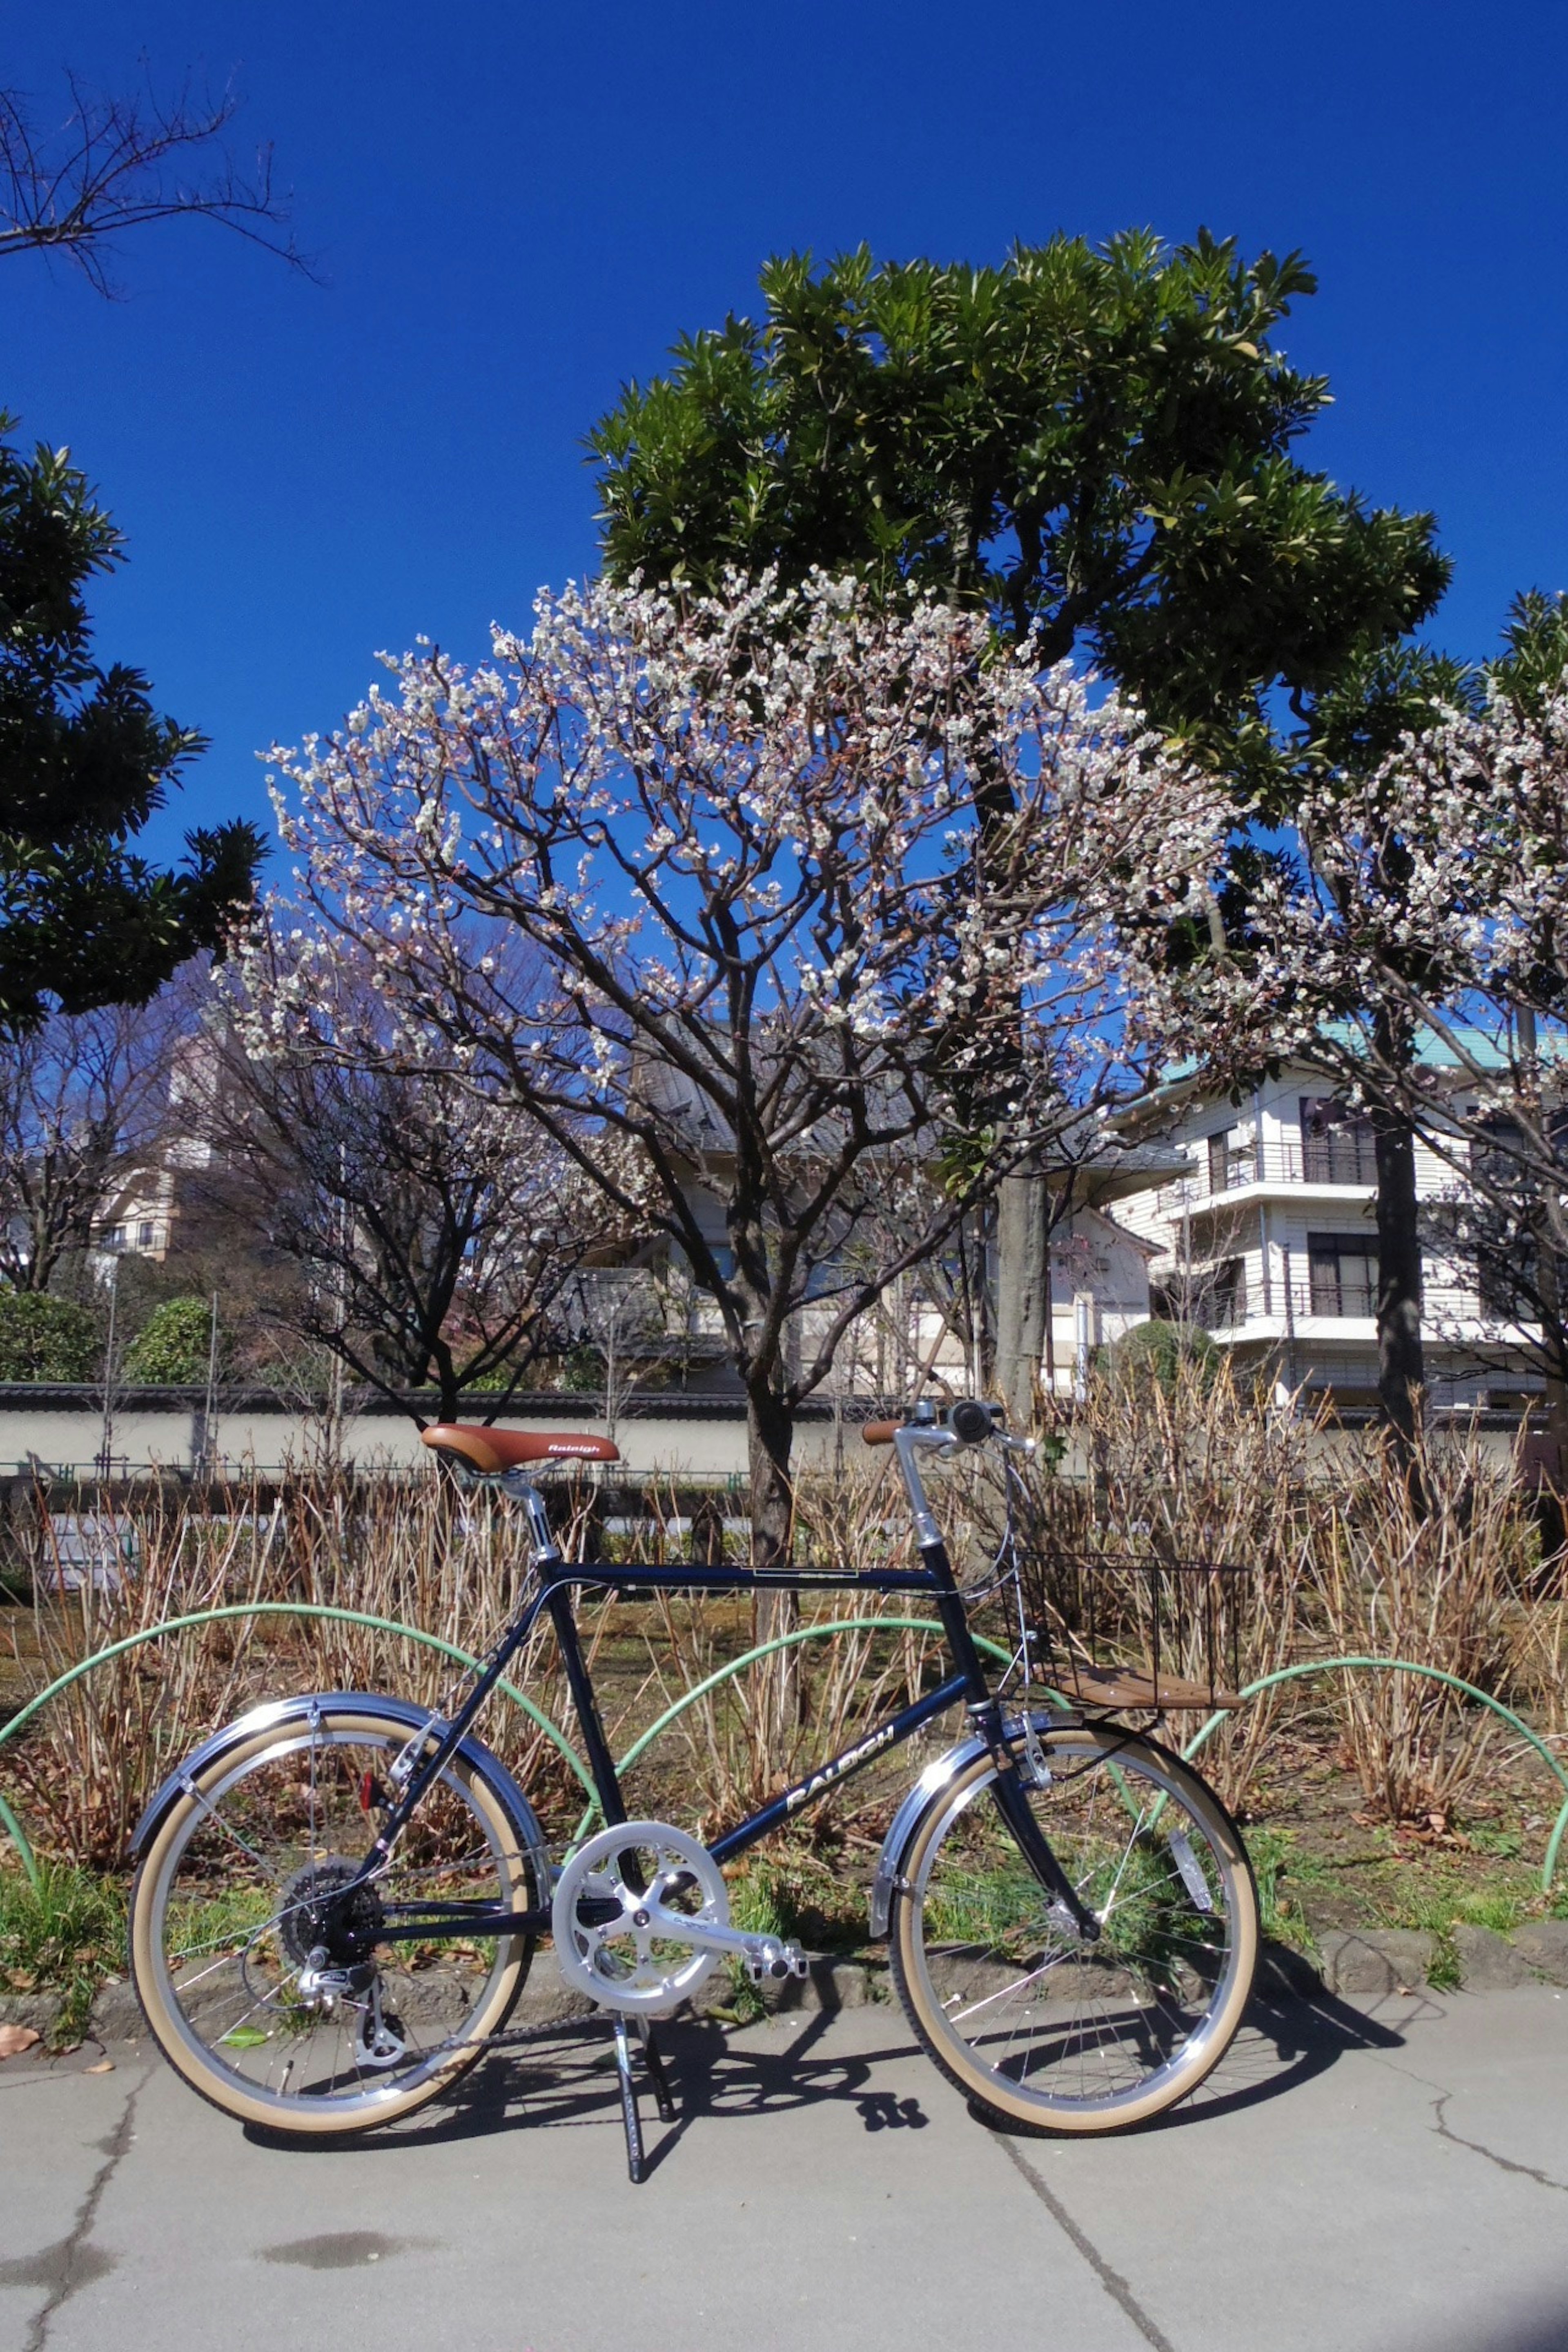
<point x="85" y="760"/>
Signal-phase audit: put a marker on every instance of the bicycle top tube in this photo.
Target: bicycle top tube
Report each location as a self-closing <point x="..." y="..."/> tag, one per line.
<point x="505" y="1461"/>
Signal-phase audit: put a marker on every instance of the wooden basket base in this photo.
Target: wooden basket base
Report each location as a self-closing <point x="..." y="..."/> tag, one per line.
<point x="1115" y="1688"/>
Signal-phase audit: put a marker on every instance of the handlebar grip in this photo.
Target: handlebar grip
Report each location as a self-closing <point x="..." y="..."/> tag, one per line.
<point x="970" y="1421"/>
<point x="879" y="1432"/>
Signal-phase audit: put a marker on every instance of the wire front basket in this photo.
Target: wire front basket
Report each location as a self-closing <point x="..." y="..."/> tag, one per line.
<point x="1127" y="1632"/>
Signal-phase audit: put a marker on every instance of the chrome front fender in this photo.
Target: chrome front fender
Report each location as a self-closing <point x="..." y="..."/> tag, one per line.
<point x="890" y="1861"/>
<point x="932" y="1781"/>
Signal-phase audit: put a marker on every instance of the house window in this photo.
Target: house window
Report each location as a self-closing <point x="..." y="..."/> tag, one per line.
<point x="1227" y="1295"/>
<point x="1497" y="1225"/>
<point x="1231" y="1155"/>
<point x="1342" y="1274"/>
<point x="1336" y="1143"/>
<point x="144" y="1233"/>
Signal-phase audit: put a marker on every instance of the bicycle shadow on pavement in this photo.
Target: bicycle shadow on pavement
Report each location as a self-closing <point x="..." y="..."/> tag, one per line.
<point x="564" y="2076"/>
<point x="1287" y="2038"/>
<point x="559" y="2077"/>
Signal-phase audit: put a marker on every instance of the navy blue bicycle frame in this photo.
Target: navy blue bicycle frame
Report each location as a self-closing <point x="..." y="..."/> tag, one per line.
<point x="559" y="1579"/>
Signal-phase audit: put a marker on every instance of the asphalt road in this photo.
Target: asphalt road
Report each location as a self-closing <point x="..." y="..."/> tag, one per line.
<point x="1393" y="2177"/>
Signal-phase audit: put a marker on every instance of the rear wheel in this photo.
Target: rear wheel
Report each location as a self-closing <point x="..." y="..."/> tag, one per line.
<point x="1037" y="2026"/>
<point x="239" y="1904"/>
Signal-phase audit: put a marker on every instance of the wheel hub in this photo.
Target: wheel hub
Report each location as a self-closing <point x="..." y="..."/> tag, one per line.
<point x="320" y="1914"/>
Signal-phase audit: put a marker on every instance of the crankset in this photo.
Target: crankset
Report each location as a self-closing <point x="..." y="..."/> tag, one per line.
<point x="641" y="1918"/>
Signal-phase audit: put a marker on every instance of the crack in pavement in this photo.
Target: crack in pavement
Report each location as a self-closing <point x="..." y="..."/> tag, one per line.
<point x="69" y="2262"/>
<point x="1115" y="2285"/>
<point x="1457" y="2139"/>
<point x="1503" y="2163"/>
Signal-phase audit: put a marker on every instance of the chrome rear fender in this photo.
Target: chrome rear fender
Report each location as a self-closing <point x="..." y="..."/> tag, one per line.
<point x="286" y="1714"/>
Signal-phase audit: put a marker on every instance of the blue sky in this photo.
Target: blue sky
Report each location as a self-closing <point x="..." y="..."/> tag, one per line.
<point x="515" y="208"/>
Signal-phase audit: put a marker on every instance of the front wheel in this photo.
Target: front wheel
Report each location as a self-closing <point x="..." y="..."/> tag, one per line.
<point x="240" y="1898"/>
<point x="1040" y="2027"/>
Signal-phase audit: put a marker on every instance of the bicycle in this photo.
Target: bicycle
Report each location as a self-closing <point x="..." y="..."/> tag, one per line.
<point x="339" y="1896"/>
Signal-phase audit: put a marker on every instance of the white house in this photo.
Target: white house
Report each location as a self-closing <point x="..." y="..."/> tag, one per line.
<point x="1270" y="1244"/>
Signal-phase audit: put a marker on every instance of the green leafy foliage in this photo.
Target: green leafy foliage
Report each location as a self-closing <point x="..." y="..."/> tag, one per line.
<point x="1158" y="1351"/>
<point x="172" y="1348"/>
<point x="85" y="760"/>
<point x="63" y="1936"/>
<point x="45" y="1339"/>
<point x="1095" y="443"/>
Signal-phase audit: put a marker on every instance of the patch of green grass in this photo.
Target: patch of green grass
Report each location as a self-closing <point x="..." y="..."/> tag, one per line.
<point x="1288" y="1874"/>
<point x="1443" y="1970"/>
<point x="1446" y="1904"/>
<point x="1506" y="1845"/>
<point x="63" y="1936"/>
<point x="1442" y="1904"/>
<point x="796" y="1893"/>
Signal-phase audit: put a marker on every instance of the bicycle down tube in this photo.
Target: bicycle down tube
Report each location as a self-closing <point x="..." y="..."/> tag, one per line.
<point x="561" y="1579"/>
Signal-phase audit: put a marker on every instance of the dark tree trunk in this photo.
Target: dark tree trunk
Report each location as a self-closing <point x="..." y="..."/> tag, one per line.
<point x="1401" y="1366"/>
<point x="1023" y="1290"/>
<point x="770" y="1431"/>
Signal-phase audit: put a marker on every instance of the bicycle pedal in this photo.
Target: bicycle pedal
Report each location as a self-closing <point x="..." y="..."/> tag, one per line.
<point x="773" y="1959"/>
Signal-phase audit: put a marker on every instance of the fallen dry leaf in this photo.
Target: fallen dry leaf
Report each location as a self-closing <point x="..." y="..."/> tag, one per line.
<point x="14" y="2039"/>
<point x="104" y="2067"/>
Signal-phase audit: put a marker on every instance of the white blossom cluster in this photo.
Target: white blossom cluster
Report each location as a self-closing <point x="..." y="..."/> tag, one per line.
<point x="774" y="878"/>
<point x="784" y="785"/>
<point x="1428" y="898"/>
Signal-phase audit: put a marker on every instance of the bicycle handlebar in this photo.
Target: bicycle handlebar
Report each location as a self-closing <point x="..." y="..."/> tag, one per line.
<point x="968" y="1423"/>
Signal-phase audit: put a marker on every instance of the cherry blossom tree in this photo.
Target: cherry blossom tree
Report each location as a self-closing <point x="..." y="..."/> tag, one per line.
<point x="434" y="1224"/>
<point x="1412" y="943"/>
<point x="740" y="837"/>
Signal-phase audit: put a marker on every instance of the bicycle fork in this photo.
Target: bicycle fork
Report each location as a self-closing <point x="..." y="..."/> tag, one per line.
<point x="1012" y="1804"/>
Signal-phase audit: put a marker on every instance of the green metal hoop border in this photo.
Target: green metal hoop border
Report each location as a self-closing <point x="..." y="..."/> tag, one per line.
<point x="318" y="1609"/>
<point x="1357" y="1663"/>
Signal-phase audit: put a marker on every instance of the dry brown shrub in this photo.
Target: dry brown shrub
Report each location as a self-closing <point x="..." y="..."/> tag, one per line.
<point x="1174" y="1530"/>
<point x="1435" y="1569"/>
<point x="412" y="1554"/>
<point x="1326" y="1554"/>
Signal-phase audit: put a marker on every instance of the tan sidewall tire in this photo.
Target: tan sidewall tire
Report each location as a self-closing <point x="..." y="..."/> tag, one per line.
<point x="975" y="2082"/>
<point x="225" y="2091"/>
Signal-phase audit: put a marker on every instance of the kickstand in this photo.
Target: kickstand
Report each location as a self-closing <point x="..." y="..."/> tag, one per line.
<point x="636" y="2171"/>
<point x="636" y="2168"/>
<point x="663" y="2097"/>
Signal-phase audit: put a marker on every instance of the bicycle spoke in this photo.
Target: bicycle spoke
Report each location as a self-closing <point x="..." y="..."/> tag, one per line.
<point x="1065" y="2024"/>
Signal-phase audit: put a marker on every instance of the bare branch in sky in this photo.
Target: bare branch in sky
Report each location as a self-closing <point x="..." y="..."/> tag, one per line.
<point x="116" y="162"/>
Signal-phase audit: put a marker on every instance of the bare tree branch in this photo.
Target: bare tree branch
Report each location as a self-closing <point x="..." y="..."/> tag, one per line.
<point x="118" y="161"/>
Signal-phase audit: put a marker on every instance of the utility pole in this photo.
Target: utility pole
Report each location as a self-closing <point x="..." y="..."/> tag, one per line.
<point x="106" y="1436"/>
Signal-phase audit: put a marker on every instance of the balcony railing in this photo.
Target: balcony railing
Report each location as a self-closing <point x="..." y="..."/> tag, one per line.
<point x="1338" y="1158"/>
<point x="1309" y="1301"/>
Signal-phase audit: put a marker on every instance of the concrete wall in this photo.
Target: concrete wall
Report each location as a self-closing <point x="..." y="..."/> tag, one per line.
<point x="697" y="1437"/>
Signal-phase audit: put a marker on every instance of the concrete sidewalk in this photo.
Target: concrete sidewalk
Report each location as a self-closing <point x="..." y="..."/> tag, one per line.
<point x="1394" y="2176"/>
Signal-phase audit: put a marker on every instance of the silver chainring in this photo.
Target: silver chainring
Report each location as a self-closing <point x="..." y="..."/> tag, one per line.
<point x="636" y="1961"/>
